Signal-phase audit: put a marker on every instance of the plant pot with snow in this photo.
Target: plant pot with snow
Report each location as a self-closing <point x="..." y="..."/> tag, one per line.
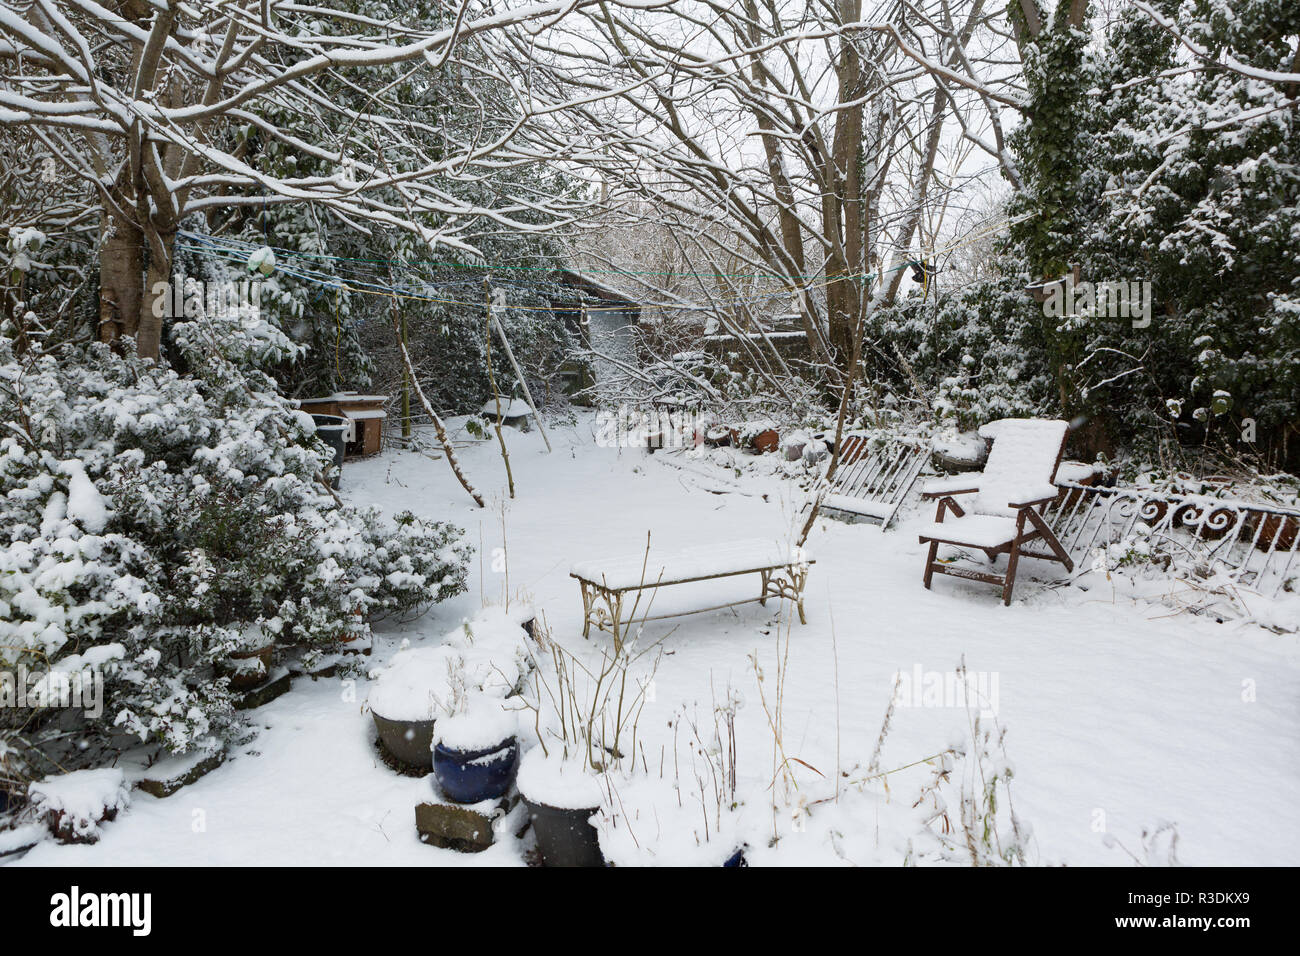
<point x="827" y="439"/>
<point x="476" y="753"/>
<point x="719" y="436"/>
<point x="409" y="742"/>
<point x="406" y="702"/>
<point x="760" y="437"/>
<point x="249" y="663"/>
<point x="561" y="797"/>
<point x="961" y="453"/>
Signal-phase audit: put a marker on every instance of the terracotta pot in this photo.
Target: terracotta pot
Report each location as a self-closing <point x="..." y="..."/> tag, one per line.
<point x="719" y="437"/>
<point x="241" y="679"/>
<point x="765" y="441"/>
<point x="1159" y="508"/>
<point x="357" y="628"/>
<point x="1069" y="497"/>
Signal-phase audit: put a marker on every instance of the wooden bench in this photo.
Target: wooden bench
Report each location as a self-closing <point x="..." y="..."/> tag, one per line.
<point x="606" y="583"/>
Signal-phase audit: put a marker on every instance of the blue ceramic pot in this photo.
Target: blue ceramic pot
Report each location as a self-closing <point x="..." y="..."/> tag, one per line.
<point x="471" y="776"/>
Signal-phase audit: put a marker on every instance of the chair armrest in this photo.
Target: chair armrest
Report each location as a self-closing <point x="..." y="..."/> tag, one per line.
<point x="966" y="484"/>
<point x="1033" y="497"/>
<point x="1018" y="505"/>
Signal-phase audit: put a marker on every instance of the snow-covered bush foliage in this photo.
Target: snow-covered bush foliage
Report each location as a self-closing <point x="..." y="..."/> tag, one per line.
<point x="977" y="351"/>
<point x="157" y="515"/>
<point x="1137" y="169"/>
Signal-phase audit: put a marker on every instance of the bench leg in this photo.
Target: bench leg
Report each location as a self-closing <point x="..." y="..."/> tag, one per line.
<point x="586" y="609"/>
<point x="786" y="583"/>
<point x="767" y="577"/>
<point x="929" y="562"/>
<point x="800" y="577"/>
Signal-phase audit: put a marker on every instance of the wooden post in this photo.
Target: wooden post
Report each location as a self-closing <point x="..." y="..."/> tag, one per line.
<point x="400" y="317"/>
<point x="406" y="389"/>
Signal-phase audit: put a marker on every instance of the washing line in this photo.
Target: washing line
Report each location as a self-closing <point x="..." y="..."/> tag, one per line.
<point x="336" y="284"/>
<point x="236" y="250"/>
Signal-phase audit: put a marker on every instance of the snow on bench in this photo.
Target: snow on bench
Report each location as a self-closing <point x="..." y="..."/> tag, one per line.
<point x="783" y="570"/>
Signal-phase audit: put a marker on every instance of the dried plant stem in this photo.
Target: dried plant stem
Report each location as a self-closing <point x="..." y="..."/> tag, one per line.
<point x="438" y="426"/>
<point x="492" y="379"/>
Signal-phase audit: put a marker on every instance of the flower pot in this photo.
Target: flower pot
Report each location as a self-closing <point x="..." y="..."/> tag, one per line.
<point x="719" y="436"/>
<point x="565" y="837"/>
<point x="332" y="430"/>
<point x="472" y="776"/>
<point x="765" y="441"/>
<point x="248" y="668"/>
<point x="736" y="859"/>
<point x="409" y="742"/>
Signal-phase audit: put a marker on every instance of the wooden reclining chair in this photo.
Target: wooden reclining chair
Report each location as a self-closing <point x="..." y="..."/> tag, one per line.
<point x="1003" y="514"/>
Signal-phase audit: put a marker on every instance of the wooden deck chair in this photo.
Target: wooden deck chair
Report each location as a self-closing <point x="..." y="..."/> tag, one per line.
<point x="1004" y="514"/>
<point x="872" y="482"/>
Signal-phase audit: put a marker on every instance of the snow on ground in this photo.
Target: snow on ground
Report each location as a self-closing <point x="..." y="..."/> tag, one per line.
<point x="1120" y="715"/>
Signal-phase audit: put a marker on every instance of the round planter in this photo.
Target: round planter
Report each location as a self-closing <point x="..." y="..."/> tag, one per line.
<point x="244" y="680"/>
<point x="950" y="464"/>
<point x="332" y="430"/>
<point x="472" y="776"/>
<point x="409" y="742"/>
<point x="765" y="441"/>
<point x="736" y="859"/>
<point x="719" y="436"/>
<point x="565" y="837"/>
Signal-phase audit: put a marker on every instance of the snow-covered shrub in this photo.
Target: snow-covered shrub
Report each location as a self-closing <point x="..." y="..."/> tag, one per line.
<point x="160" y="514"/>
<point x="402" y="566"/>
<point x="976" y="352"/>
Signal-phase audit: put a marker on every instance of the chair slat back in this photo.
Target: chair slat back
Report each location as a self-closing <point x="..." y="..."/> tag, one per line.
<point x="1025" y="455"/>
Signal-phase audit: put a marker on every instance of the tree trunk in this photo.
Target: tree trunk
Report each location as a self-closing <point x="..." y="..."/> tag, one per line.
<point x="121" y="277"/>
<point x="153" y="309"/>
<point x="846" y="266"/>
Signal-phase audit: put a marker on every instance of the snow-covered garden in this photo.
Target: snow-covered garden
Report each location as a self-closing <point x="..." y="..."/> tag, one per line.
<point x="649" y="433"/>
<point x="1115" y="722"/>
